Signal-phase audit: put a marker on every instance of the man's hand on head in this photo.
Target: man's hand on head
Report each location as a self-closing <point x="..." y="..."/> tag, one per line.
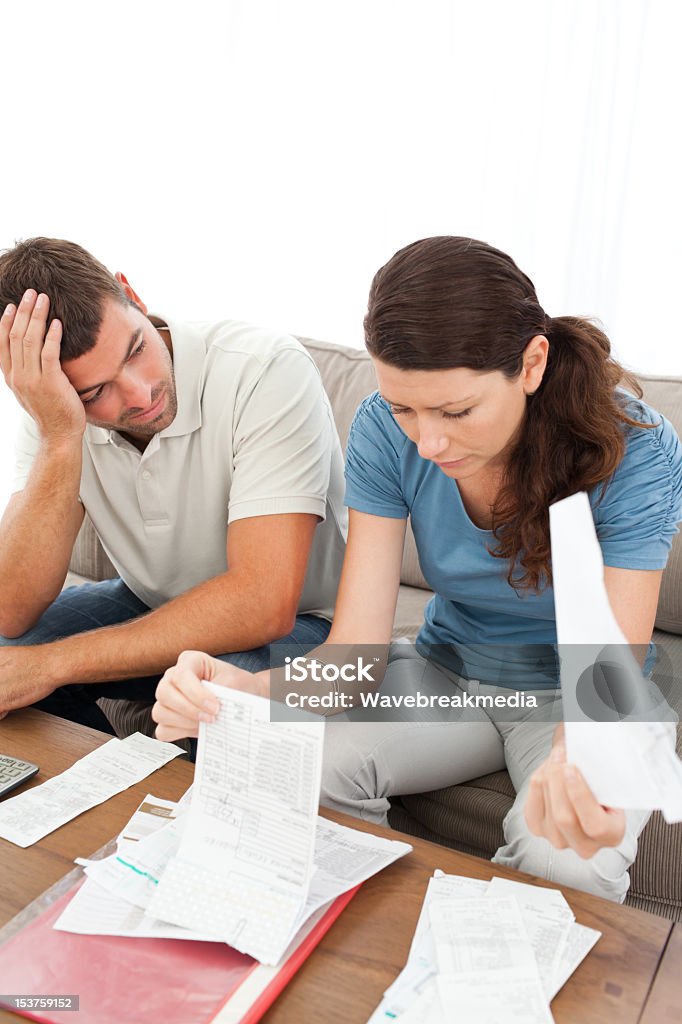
<point x="24" y="677"/>
<point x="29" y="360"/>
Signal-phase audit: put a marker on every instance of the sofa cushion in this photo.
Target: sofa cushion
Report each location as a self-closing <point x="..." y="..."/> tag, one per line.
<point x="129" y="716"/>
<point x="467" y="817"/>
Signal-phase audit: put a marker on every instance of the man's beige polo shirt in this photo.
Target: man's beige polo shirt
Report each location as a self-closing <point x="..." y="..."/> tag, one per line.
<point x="254" y="435"/>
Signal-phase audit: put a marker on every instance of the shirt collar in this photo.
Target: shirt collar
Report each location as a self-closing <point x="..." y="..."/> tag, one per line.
<point x="189" y="356"/>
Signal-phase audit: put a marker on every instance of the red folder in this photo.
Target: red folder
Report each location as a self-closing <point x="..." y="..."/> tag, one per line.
<point x="136" y="980"/>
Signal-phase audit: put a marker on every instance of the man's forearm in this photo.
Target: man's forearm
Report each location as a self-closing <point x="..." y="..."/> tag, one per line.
<point x="228" y="613"/>
<point x="37" y="534"/>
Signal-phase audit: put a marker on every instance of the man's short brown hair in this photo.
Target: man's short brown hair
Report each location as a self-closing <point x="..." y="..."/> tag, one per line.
<point x="76" y="284"/>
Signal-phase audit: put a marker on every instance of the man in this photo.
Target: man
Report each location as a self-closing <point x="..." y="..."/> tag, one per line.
<point x="207" y="459"/>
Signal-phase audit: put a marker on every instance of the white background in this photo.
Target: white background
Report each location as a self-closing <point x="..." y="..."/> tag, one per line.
<point x="260" y="160"/>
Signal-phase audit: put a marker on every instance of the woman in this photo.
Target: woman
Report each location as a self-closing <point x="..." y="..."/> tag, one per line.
<point x="487" y="412"/>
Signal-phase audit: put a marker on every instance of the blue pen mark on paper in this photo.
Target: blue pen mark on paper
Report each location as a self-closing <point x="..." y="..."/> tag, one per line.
<point x="137" y="870"/>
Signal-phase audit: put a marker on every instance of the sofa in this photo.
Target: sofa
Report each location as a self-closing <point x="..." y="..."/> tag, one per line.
<point x="469" y="816"/>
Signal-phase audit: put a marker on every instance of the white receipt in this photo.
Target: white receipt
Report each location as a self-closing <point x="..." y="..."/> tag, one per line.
<point x="108" y="770"/>
<point x="425" y="1007"/>
<point x="488" y="997"/>
<point x="441" y="886"/>
<point x="344" y="858"/>
<point x="245" y="861"/>
<point x="481" y="935"/>
<point x="579" y="943"/>
<point x="548" y="920"/>
<point x="484" y="955"/>
<point x="630" y="763"/>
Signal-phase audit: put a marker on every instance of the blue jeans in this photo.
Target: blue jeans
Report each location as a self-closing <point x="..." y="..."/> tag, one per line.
<point x="93" y="605"/>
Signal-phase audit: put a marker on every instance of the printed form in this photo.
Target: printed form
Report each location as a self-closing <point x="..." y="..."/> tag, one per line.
<point x="483" y="951"/>
<point x="243" y="868"/>
<point x="119" y="888"/>
<point x="113" y="767"/>
<point x="629" y="761"/>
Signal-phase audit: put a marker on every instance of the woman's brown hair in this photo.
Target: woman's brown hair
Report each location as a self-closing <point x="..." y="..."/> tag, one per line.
<point x="447" y="302"/>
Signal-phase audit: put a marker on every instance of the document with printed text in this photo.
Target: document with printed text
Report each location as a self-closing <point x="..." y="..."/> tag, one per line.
<point x="111" y="768"/>
<point x="469" y="941"/>
<point x="243" y="868"/>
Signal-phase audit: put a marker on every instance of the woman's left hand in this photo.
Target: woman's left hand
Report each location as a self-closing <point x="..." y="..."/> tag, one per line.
<point x="562" y="808"/>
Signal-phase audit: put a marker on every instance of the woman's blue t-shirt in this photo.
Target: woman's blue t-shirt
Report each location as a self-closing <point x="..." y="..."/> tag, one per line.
<point x="491" y="631"/>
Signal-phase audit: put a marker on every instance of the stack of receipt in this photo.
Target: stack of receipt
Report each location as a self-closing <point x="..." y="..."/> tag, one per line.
<point x="484" y="952"/>
<point x="245" y="860"/>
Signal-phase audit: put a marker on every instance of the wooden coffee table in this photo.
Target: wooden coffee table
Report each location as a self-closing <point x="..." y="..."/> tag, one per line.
<point x="343" y="980"/>
<point x="664" y="1005"/>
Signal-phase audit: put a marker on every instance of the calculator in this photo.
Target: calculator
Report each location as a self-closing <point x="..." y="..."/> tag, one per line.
<point x="13" y="772"/>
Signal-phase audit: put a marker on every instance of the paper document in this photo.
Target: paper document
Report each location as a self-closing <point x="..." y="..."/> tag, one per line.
<point x="620" y="732"/>
<point x="344" y="858"/>
<point x="469" y="935"/>
<point x="483" y="950"/>
<point x="441" y="886"/>
<point x="481" y="935"/>
<point x="134" y="871"/>
<point x="245" y="861"/>
<point x="113" y="767"/>
<point x="548" y="920"/>
<point x="488" y="997"/>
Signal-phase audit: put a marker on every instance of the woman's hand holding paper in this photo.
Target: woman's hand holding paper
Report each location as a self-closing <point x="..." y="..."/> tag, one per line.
<point x="182" y="700"/>
<point x="562" y="808"/>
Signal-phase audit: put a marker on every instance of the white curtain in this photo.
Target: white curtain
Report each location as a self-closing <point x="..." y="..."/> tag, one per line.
<point x="260" y="160"/>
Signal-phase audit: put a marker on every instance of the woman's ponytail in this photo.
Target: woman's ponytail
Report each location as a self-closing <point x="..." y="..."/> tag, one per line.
<point x="572" y="440"/>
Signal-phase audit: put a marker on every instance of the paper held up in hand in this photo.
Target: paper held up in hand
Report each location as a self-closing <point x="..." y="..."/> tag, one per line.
<point x="249" y="861"/>
<point x="620" y="731"/>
